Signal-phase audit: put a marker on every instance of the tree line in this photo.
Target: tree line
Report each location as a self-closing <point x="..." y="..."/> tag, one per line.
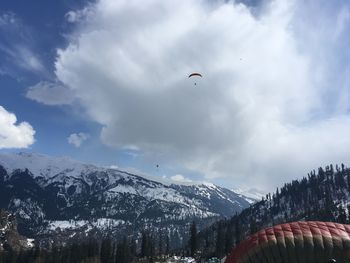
<point x="108" y="250"/>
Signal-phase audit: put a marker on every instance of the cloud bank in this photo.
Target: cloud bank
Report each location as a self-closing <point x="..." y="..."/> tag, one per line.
<point x="13" y="135"/>
<point x="264" y="111"/>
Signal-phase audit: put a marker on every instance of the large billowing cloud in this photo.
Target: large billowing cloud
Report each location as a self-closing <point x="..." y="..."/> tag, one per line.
<point x="263" y="112"/>
<point x="13" y="135"/>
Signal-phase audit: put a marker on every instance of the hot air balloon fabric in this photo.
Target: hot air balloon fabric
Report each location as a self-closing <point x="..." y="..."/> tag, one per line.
<point x="304" y="242"/>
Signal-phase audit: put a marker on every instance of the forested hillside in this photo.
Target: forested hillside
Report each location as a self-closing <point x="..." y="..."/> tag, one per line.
<point x="323" y="195"/>
<point x="151" y="247"/>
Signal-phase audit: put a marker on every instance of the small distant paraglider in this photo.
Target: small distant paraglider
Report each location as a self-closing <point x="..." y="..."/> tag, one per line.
<point x="195" y="74"/>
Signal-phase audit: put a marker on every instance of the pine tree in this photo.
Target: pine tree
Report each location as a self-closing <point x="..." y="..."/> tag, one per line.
<point x="238" y="232"/>
<point x="147" y="245"/>
<point x="253" y="227"/>
<point x="228" y="239"/>
<point x="133" y="247"/>
<point x="220" y="240"/>
<point x="123" y="254"/>
<point x="167" y="244"/>
<point x="106" y="253"/>
<point x="341" y="215"/>
<point x="144" y="244"/>
<point x="160" y="243"/>
<point x="193" y="238"/>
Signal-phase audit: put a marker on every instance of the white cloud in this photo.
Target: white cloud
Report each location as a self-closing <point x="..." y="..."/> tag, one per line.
<point x="7" y="19"/>
<point x="77" y="139"/>
<point x="13" y="135"/>
<point x="180" y="178"/>
<point x="28" y="60"/>
<point x="50" y="93"/>
<point x="256" y="116"/>
<point x="18" y="50"/>
<point x="23" y="58"/>
<point x="78" y="15"/>
<point x="71" y="17"/>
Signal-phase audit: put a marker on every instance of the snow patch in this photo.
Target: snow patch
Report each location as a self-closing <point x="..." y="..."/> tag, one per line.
<point x="100" y="223"/>
<point x="30" y="242"/>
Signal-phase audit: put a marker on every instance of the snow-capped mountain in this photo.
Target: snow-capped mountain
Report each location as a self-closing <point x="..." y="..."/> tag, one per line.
<point x="51" y="194"/>
<point x="252" y="195"/>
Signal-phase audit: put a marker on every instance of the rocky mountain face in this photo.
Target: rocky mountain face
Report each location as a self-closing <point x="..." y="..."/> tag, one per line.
<point x="10" y="239"/>
<point x="56" y="199"/>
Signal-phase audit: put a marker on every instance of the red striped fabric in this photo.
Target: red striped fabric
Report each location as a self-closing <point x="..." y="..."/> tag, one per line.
<point x="293" y="242"/>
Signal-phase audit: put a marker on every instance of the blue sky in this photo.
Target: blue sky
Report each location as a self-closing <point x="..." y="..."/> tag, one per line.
<point x="40" y="28"/>
<point x="106" y="82"/>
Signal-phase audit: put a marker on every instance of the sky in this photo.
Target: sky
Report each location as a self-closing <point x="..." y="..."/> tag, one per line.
<point x="106" y="82"/>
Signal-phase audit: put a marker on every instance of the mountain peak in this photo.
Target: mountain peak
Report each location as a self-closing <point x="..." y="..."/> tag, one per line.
<point x="40" y="164"/>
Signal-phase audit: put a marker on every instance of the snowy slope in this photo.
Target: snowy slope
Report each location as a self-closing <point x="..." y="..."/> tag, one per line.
<point x="43" y="165"/>
<point x="252" y="195"/>
<point x="63" y="169"/>
<point x="60" y="193"/>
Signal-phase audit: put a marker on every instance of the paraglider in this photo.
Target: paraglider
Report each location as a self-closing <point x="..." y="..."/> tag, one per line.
<point x="195" y="74"/>
<point x="308" y="242"/>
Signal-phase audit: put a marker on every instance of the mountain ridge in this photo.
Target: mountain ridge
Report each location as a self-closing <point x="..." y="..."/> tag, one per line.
<point x="47" y="192"/>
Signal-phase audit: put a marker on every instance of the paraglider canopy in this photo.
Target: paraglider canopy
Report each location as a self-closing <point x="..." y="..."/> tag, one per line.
<point x="195" y="74"/>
